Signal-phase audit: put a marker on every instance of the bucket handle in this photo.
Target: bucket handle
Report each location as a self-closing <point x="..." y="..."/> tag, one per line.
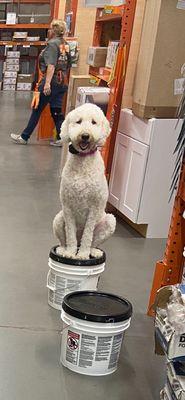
<point x="68" y="324"/>
<point x="53" y="288"/>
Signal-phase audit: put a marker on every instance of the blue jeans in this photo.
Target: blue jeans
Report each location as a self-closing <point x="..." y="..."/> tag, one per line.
<point x="55" y="102"/>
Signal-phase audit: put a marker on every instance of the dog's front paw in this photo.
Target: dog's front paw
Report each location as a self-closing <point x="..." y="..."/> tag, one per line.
<point x="61" y="251"/>
<point x="83" y="255"/>
<point x="70" y="253"/>
<point x="96" y="253"/>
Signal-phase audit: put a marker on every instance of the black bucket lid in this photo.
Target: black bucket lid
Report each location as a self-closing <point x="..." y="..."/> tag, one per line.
<point x="97" y="306"/>
<point x="81" y="263"/>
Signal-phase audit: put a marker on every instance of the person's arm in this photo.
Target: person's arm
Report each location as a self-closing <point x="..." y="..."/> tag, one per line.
<point x="50" y="57"/>
<point x="49" y="75"/>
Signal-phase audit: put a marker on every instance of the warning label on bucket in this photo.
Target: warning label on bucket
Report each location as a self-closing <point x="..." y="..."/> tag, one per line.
<point x="88" y="344"/>
<point x="72" y="347"/>
<point x="93" y="352"/>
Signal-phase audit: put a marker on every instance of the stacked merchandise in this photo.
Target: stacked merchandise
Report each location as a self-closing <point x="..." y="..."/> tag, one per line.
<point x="20" y="36"/>
<point x="24" y="82"/>
<point x="111" y="53"/>
<point x="75" y="82"/>
<point x="11" y="68"/>
<point x="5" y="36"/>
<point x="22" y="13"/>
<point x="170" y="338"/>
<point x="93" y="95"/>
<point x="96" y="56"/>
<point x="2" y="13"/>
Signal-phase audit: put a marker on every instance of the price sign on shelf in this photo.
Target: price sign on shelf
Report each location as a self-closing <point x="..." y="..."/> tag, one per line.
<point x="102" y="3"/>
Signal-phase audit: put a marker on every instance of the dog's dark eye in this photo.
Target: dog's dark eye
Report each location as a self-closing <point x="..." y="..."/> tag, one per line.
<point x="93" y="122"/>
<point x="79" y="121"/>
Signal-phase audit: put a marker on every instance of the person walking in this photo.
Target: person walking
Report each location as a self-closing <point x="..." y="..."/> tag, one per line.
<point x="54" y="65"/>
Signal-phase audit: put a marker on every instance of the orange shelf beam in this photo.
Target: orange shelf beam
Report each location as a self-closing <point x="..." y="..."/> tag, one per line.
<point x="109" y="17"/>
<point x="169" y="270"/>
<point x="22" y="43"/>
<point x="31" y="1"/>
<point x="24" y="26"/>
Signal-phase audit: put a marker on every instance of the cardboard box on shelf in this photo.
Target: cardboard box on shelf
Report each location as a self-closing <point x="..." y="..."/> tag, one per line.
<point x="10" y="74"/>
<point x="75" y="82"/>
<point x="12" y="61"/>
<point x="20" y="35"/>
<point x="161" y="57"/>
<point x="96" y="56"/>
<point x="33" y="38"/>
<point x="93" y="95"/>
<point x="24" y="86"/>
<point x="13" y="54"/>
<point x="9" y="88"/>
<point x="111" y="53"/>
<point x="11" y="67"/>
<point x="11" y="18"/>
<point x="9" y="81"/>
<point x="25" y="78"/>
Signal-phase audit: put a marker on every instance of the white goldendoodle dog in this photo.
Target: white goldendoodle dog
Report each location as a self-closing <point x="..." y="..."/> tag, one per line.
<point x="83" y="225"/>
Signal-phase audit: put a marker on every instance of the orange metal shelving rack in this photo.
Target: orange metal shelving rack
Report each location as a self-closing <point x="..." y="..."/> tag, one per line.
<point x="125" y="14"/>
<point x="169" y="270"/>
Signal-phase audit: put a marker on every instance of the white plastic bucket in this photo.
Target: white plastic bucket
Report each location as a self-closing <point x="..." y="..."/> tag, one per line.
<point x="66" y="276"/>
<point x="91" y="340"/>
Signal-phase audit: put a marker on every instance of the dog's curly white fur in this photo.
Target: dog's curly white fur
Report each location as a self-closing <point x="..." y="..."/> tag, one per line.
<point x="83" y="225"/>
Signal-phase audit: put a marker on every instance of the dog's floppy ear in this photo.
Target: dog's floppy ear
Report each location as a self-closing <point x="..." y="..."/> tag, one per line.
<point x="106" y="129"/>
<point x="64" y="132"/>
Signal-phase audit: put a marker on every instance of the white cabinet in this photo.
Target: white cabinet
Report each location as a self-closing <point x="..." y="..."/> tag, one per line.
<point x="126" y="183"/>
<point x="141" y="173"/>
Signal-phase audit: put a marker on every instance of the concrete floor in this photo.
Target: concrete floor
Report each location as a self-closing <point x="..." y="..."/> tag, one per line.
<point x="29" y="328"/>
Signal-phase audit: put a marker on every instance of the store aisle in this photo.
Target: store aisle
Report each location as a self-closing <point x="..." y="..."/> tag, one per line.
<point x="29" y="329"/>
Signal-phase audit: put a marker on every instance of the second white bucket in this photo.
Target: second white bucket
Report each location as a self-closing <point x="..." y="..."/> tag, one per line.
<point x="69" y="275"/>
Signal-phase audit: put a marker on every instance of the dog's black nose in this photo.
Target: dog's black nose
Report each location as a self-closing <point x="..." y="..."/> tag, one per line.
<point x="85" y="137"/>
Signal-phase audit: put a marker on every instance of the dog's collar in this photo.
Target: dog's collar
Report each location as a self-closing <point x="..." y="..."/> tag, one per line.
<point x="72" y="150"/>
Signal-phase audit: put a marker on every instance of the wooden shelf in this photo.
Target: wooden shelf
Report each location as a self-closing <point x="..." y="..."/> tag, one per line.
<point x="21" y="43"/>
<point x="25" y="26"/>
<point x="105" y="76"/>
<point x="109" y="17"/>
<point x="31" y="1"/>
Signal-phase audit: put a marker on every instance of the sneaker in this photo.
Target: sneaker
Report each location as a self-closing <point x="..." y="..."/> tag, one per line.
<point x="57" y="143"/>
<point x="17" y="139"/>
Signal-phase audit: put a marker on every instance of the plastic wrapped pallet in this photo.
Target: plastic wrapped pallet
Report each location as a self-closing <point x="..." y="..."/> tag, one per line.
<point x="170" y="322"/>
<point x="175" y="382"/>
